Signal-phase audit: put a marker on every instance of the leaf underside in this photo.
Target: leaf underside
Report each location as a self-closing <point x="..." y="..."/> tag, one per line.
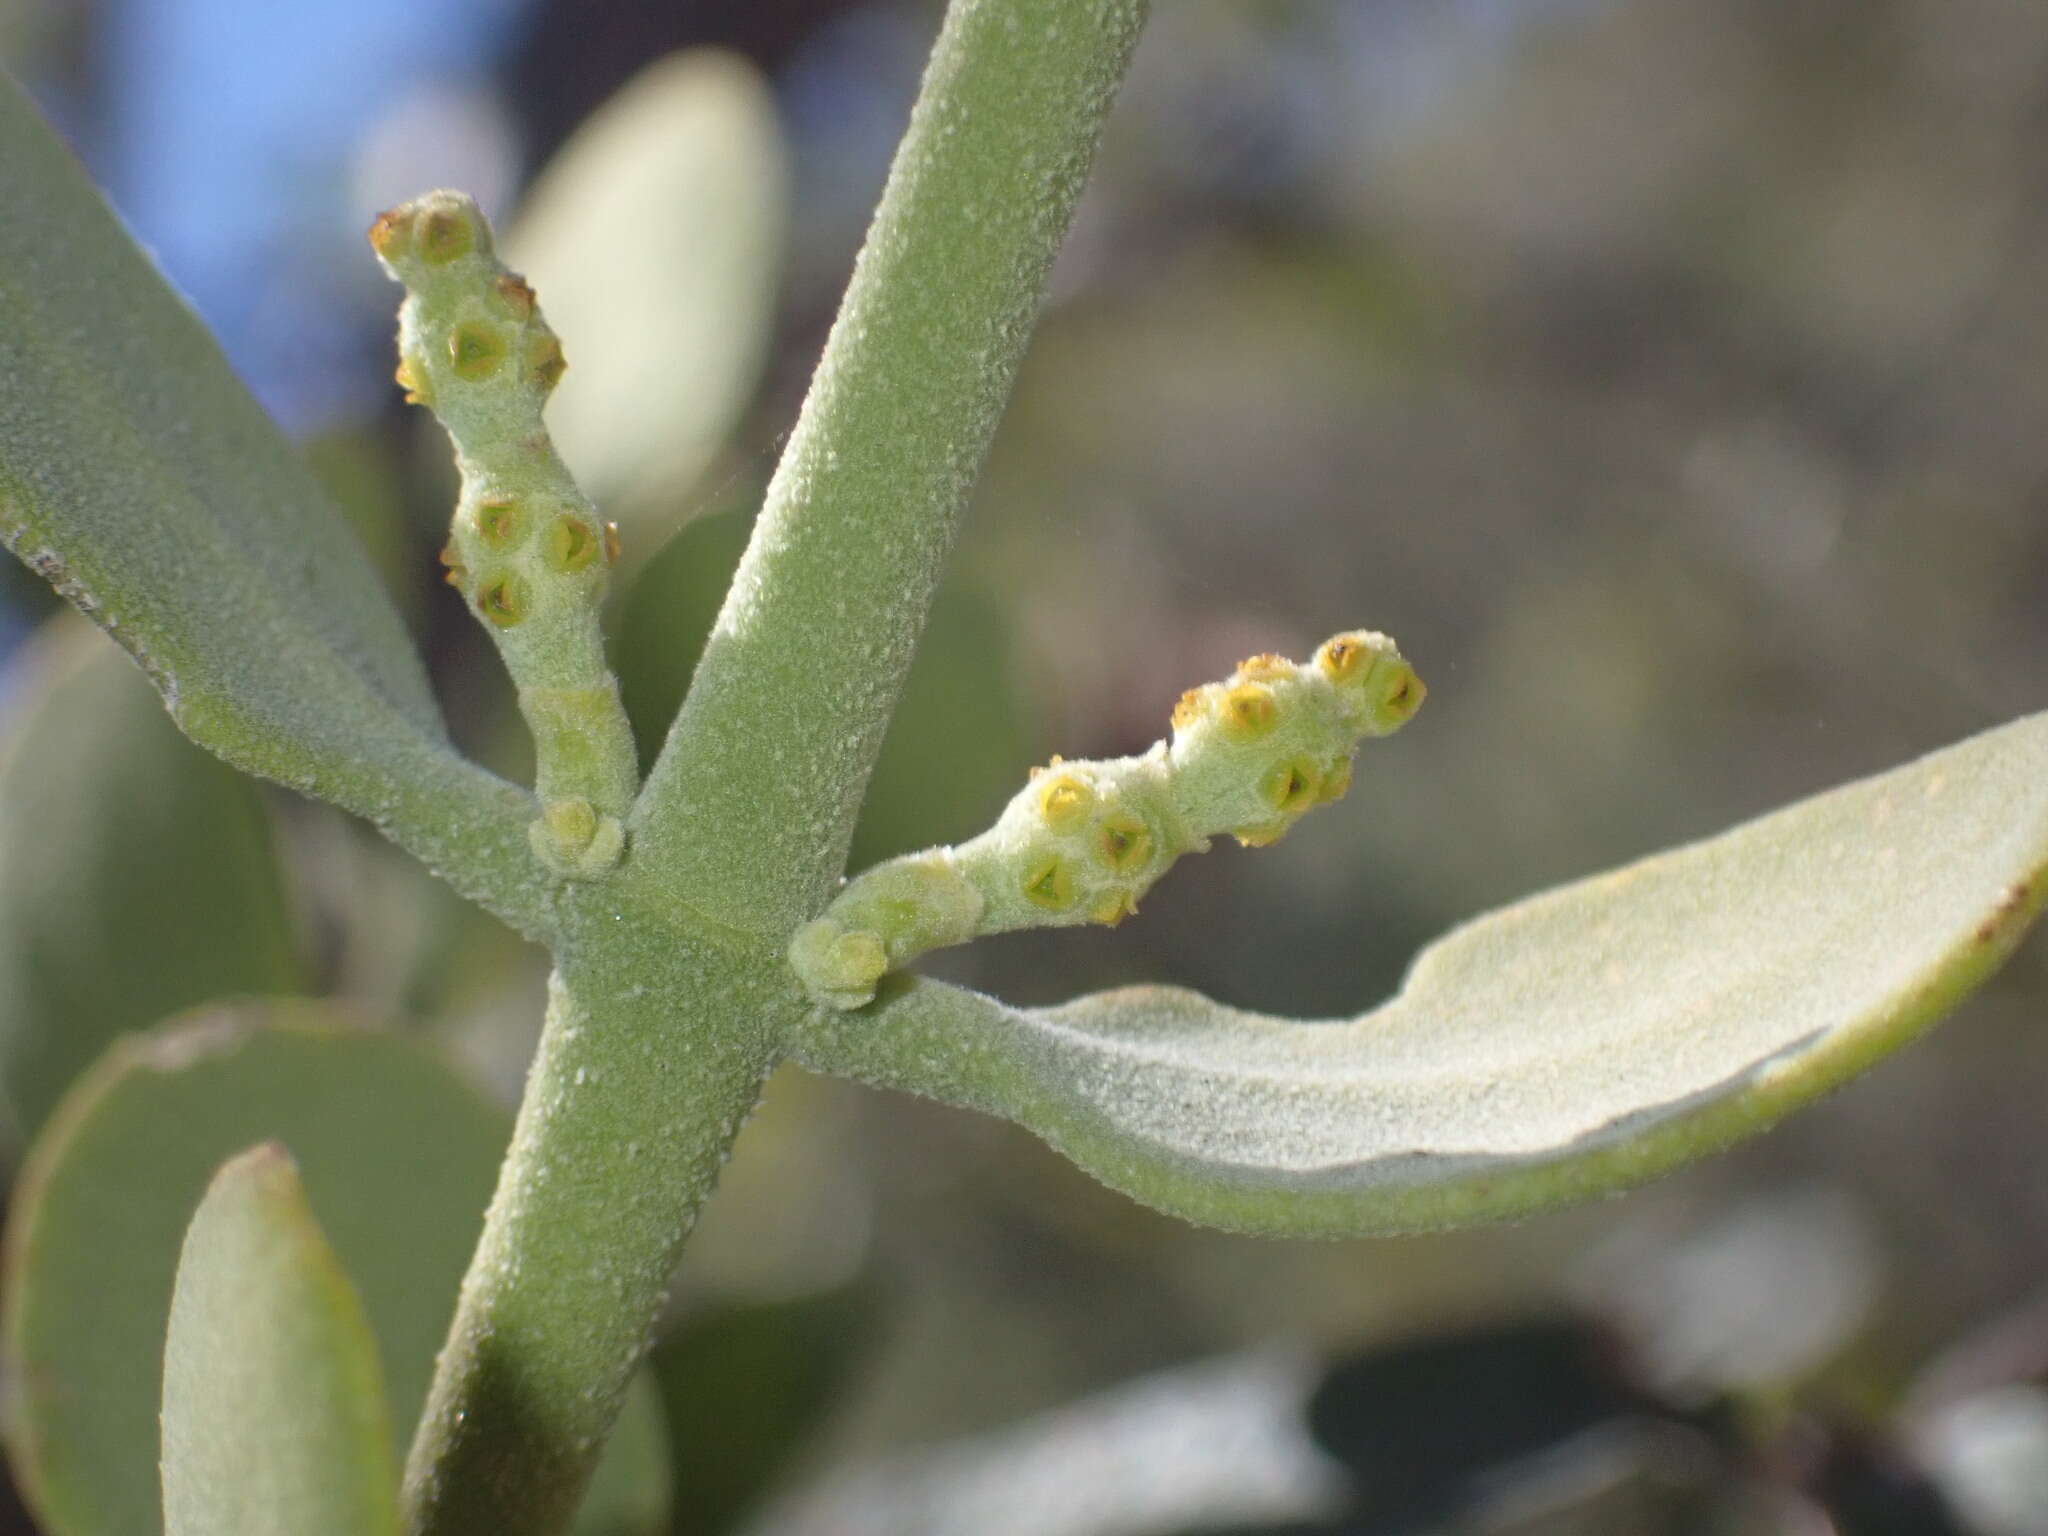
<point x="1574" y="1043"/>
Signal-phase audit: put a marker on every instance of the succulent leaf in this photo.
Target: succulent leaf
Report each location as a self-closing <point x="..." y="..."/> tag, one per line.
<point x="1577" y="1042"/>
<point x="273" y="1408"/>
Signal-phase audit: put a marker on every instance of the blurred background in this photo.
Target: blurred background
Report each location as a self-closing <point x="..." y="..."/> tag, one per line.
<point x="1671" y="379"/>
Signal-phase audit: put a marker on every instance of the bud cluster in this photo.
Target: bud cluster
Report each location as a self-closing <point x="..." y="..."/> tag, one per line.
<point x="1083" y="841"/>
<point x="527" y="550"/>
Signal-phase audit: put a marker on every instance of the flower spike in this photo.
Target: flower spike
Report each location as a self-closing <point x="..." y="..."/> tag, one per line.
<point x="527" y="551"/>
<point x="1084" y="841"/>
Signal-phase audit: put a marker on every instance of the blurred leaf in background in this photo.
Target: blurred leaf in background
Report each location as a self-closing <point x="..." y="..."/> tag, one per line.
<point x="137" y="874"/>
<point x="399" y="1157"/>
<point x="954" y="747"/>
<point x="273" y="1405"/>
<point x="654" y="240"/>
<point x="743" y="1388"/>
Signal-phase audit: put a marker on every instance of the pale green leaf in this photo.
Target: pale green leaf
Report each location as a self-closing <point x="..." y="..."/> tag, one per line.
<point x="654" y="239"/>
<point x="1577" y="1042"/>
<point x="274" y="1413"/>
<point x="137" y="876"/>
<point x="140" y="478"/>
<point x="399" y="1157"/>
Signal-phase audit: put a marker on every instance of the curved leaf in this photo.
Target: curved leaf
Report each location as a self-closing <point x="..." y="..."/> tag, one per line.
<point x="654" y="239"/>
<point x="137" y="877"/>
<point x="1577" y="1042"/>
<point x="273" y="1399"/>
<point x="399" y="1157"/>
<point x="140" y="478"/>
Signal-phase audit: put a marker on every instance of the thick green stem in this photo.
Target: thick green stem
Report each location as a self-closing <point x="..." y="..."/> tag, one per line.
<point x="750" y="809"/>
<point x="673" y="997"/>
<point x="643" y="1077"/>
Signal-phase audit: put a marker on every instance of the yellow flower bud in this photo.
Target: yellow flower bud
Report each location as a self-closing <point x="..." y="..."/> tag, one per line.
<point x="1048" y="882"/>
<point x="1064" y="800"/>
<point x="1124" y="842"/>
<point x="1247" y="711"/>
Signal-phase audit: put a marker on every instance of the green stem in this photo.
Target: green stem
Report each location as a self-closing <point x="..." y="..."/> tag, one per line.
<point x="640" y="1085"/>
<point x="751" y="806"/>
<point x="672" y="997"/>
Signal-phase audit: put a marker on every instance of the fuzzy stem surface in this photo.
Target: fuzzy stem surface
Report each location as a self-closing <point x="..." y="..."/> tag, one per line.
<point x="673" y="997"/>
<point x="643" y="1077"/>
<point x="750" y="808"/>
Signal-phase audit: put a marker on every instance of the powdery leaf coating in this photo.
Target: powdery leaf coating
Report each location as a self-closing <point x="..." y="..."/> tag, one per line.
<point x="1577" y="1042"/>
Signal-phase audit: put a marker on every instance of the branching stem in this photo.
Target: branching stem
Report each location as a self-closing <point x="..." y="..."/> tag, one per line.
<point x="630" y="1107"/>
<point x="672" y="996"/>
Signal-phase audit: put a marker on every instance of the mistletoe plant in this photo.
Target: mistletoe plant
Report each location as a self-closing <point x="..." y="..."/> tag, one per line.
<point x="698" y="924"/>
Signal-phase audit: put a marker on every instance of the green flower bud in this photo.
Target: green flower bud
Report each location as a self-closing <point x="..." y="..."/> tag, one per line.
<point x="1083" y="841"/>
<point x="839" y="968"/>
<point x="572" y="544"/>
<point x="503" y="599"/>
<point x="476" y="350"/>
<point x="499" y="522"/>
<point x="1380" y="691"/>
<point x="1048" y="882"/>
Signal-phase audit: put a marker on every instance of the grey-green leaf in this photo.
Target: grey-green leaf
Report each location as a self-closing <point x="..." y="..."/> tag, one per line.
<point x="1574" y="1043"/>
<point x="141" y="479"/>
<point x="137" y="876"/>
<point x="654" y="239"/>
<point x="273" y="1415"/>
<point x="399" y="1156"/>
